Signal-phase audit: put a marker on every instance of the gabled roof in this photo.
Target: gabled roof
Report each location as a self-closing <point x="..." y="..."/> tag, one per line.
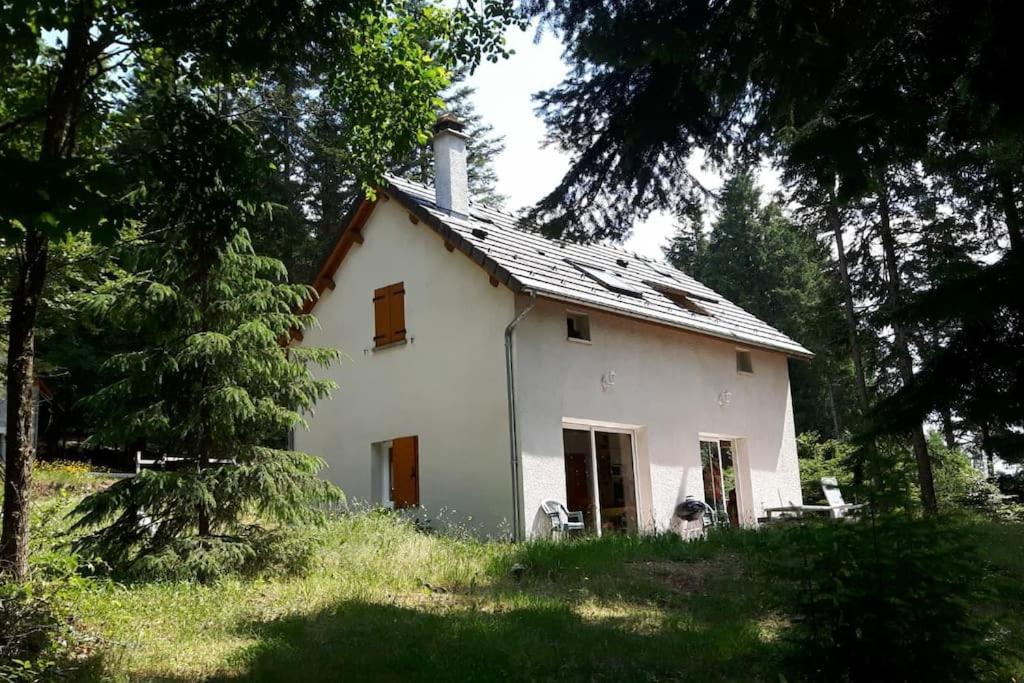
<point x="592" y="275"/>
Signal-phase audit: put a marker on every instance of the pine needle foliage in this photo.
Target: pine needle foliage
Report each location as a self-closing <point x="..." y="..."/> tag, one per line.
<point x="208" y="378"/>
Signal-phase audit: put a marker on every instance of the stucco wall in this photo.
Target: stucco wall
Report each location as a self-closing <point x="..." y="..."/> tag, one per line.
<point x="667" y="383"/>
<point x="446" y="384"/>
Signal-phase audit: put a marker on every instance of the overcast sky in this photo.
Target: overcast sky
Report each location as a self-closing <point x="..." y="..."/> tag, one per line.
<point x="526" y="170"/>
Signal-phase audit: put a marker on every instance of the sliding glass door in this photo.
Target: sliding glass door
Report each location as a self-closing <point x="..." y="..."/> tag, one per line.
<point x="600" y="477"/>
<point x="717" y="461"/>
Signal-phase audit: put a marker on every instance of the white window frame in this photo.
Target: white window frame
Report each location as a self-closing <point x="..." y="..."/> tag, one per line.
<point x="380" y="452"/>
<point x="744" y="506"/>
<point x="572" y="313"/>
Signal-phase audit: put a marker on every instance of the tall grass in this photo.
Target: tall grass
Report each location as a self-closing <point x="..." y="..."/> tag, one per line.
<point x="382" y="600"/>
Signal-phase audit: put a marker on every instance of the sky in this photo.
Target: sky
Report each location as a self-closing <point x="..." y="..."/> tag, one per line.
<point x="527" y="170"/>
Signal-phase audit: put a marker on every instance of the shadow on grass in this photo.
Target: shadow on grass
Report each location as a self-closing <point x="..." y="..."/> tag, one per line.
<point x="365" y="641"/>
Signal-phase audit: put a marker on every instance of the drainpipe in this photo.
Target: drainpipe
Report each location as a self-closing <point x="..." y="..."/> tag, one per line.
<point x="510" y="376"/>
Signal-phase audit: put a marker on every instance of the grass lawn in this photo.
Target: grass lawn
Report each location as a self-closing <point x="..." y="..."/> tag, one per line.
<point x="385" y="602"/>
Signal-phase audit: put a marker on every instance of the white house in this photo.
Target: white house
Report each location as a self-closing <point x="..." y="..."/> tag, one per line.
<point x="490" y="368"/>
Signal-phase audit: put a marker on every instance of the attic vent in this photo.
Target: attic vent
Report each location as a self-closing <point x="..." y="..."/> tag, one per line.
<point x="622" y="262"/>
<point x="480" y="233"/>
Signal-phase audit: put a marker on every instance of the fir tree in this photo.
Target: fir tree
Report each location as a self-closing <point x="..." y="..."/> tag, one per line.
<point x="209" y="381"/>
<point x="763" y="261"/>
<point x="482" y="149"/>
<point x="688" y="245"/>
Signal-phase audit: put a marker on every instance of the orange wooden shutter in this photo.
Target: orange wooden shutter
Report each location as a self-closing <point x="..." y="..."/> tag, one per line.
<point x="381" y="317"/>
<point x="405" y="472"/>
<point x="396" y="308"/>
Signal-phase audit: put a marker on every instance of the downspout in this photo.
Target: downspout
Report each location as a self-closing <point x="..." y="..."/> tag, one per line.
<point x="510" y="376"/>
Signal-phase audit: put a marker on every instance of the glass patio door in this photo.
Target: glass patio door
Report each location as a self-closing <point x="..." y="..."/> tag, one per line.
<point x="719" y="471"/>
<point x="600" y="478"/>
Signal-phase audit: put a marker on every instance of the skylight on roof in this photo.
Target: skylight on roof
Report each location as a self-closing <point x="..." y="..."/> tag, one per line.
<point x="681" y="298"/>
<point x="608" y="280"/>
<point x="674" y="286"/>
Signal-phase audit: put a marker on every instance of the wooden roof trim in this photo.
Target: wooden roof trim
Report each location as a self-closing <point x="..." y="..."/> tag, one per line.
<point x="352" y="234"/>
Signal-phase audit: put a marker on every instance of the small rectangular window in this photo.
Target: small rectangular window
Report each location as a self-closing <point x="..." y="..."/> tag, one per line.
<point x="389" y="314"/>
<point x="577" y="326"/>
<point x="744" y="362"/>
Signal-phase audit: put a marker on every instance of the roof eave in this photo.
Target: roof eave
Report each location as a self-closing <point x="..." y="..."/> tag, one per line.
<point x="799" y="354"/>
<point x="452" y="237"/>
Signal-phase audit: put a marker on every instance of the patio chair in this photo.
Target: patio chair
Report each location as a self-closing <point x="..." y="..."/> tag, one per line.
<point x="562" y="521"/>
<point x="837" y="508"/>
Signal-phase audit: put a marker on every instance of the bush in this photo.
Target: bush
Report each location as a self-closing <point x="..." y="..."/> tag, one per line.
<point x="822" y="458"/>
<point x="892" y="601"/>
<point x="253" y="552"/>
<point x="37" y="641"/>
<point x="957" y="483"/>
<point x="1012" y="485"/>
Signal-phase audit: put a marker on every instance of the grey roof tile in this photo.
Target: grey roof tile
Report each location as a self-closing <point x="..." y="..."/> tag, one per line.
<point x="527" y="260"/>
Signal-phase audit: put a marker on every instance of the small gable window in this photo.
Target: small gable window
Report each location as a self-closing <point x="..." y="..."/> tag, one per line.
<point x="389" y="315"/>
<point x="577" y="326"/>
<point x="744" y="362"/>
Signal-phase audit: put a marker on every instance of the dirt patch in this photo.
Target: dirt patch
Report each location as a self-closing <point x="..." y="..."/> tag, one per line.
<point x="687" y="578"/>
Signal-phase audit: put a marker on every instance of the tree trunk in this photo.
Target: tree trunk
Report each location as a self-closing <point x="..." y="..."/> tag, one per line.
<point x="1011" y="212"/>
<point x="832" y="409"/>
<point x="948" y="432"/>
<point x="20" y="409"/>
<point x="57" y="141"/>
<point x="832" y="216"/>
<point x="904" y="361"/>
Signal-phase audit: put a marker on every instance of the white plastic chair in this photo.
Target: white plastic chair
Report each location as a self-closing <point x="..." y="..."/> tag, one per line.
<point x="837" y="508"/>
<point x="562" y="521"/>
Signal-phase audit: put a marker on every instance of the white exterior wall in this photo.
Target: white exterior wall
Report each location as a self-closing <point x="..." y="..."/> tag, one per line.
<point x="667" y="383"/>
<point x="446" y="385"/>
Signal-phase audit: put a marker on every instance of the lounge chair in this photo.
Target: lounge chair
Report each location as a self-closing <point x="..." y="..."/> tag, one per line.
<point x="562" y="521"/>
<point x="836" y="508"/>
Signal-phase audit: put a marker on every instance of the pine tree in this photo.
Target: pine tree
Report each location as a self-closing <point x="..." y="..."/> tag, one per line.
<point x="209" y="381"/>
<point x="316" y="183"/>
<point x="774" y="268"/>
<point x="482" y="149"/>
<point x="688" y="245"/>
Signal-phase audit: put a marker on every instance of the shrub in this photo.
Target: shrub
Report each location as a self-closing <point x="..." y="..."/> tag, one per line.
<point x="253" y="551"/>
<point x="1012" y="485"/>
<point x="957" y="483"/>
<point x="36" y="639"/>
<point x="822" y="458"/>
<point x="890" y="601"/>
